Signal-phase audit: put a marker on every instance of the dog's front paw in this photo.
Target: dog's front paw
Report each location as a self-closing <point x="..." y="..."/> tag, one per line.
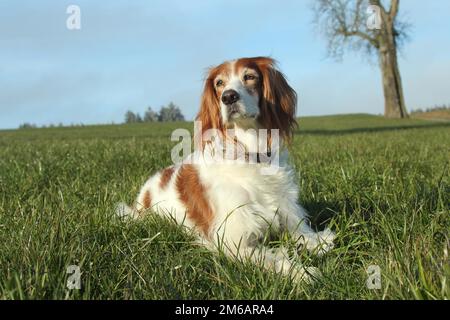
<point x="326" y="240"/>
<point x="320" y="242"/>
<point x="124" y="211"/>
<point x="306" y="274"/>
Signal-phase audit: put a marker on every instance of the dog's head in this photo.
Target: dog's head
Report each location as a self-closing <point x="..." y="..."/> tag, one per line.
<point x="248" y="89"/>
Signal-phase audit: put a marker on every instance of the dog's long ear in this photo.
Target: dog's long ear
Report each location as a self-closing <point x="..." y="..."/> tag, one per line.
<point x="209" y="114"/>
<point x="278" y="102"/>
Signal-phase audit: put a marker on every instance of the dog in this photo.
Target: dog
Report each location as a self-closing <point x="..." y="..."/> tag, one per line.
<point x="230" y="202"/>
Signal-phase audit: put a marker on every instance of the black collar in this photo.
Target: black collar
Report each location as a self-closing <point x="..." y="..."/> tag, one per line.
<point x="260" y="157"/>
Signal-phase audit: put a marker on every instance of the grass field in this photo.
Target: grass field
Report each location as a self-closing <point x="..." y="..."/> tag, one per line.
<point x="382" y="185"/>
<point x="438" y="115"/>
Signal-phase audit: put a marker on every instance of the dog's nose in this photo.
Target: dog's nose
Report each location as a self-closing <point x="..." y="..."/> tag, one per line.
<point x="229" y="97"/>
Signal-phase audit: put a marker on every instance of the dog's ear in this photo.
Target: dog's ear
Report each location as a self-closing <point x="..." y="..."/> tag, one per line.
<point x="209" y="114"/>
<point x="278" y="102"/>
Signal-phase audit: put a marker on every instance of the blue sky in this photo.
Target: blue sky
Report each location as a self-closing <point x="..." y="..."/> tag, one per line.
<point x="134" y="54"/>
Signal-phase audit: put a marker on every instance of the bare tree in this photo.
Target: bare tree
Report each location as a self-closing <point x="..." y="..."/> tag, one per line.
<point x="344" y="23"/>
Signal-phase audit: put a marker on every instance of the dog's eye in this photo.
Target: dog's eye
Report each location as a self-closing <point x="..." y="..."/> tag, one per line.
<point x="219" y="83"/>
<point x="249" y="77"/>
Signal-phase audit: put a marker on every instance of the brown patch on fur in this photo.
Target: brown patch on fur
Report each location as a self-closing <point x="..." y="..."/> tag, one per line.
<point x="278" y="101"/>
<point x="192" y="194"/>
<point x="209" y="113"/>
<point x="147" y="201"/>
<point x="165" y="177"/>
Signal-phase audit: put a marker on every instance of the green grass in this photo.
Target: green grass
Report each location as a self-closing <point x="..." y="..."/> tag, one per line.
<point x="382" y="185"/>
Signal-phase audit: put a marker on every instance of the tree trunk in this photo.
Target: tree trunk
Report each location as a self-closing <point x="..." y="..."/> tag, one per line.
<point x="394" y="102"/>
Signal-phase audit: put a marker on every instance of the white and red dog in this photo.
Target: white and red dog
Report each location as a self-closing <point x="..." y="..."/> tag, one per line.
<point x="232" y="204"/>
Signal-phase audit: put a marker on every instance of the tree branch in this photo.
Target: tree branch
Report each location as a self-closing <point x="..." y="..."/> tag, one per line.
<point x="394" y="9"/>
<point x="360" y="34"/>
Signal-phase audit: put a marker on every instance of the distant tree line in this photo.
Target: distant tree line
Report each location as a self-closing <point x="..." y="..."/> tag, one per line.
<point x="168" y="113"/>
<point x="28" y="125"/>
<point x="442" y="107"/>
